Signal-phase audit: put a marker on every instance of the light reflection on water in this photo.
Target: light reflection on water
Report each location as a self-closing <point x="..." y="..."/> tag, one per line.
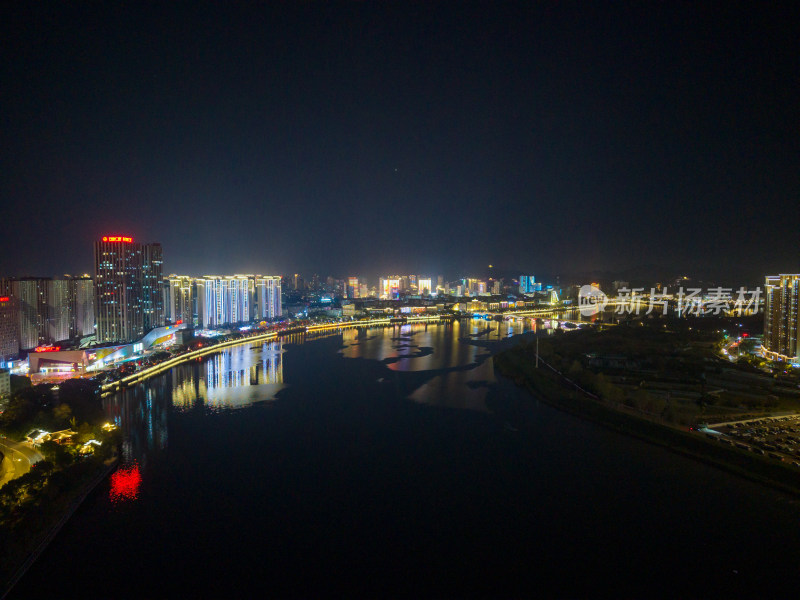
<point x="232" y="379"/>
<point x="451" y="364"/>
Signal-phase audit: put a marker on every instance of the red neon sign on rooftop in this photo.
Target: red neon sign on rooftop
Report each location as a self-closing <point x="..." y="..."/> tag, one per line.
<point x="117" y="238"/>
<point x="4" y="298"/>
<point x="47" y="348"/>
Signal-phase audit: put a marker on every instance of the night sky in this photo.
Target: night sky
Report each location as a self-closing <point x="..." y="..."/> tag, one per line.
<point x="365" y="138"/>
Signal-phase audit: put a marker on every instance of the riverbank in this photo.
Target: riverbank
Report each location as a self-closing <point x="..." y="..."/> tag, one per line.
<point x="547" y="385"/>
<point x="25" y="536"/>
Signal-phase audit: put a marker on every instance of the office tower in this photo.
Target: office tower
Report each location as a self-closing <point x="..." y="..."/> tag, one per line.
<point x="297" y="282"/>
<point x="781" y="322"/>
<point x="424" y="287"/>
<point x="9" y="322"/>
<point x="268" y="296"/>
<point x="440" y="283"/>
<point x="152" y="292"/>
<point x="118" y="289"/>
<point x="353" y="291"/>
<point x="179" y="305"/>
<point x="363" y="291"/>
<point x="31" y="300"/>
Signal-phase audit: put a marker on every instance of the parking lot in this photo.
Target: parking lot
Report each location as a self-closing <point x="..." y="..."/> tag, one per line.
<point x="776" y="437"/>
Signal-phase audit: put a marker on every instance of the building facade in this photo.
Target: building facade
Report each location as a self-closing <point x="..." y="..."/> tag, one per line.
<point x="152" y="294"/>
<point x="30" y="294"/>
<point x="180" y="299"/>
<point x="9" y="322"/>
<point x="781" y="322"/>
<point x="128" y="291"/>
<point x="268" y="297"/>
<point x="81" y="306"/>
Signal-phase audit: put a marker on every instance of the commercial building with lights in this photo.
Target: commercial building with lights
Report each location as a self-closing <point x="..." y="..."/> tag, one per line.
<point x="128" y="295"/>
<point x="781" y="322"/>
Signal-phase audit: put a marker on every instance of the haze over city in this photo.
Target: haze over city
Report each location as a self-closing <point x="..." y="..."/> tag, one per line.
<point x="402" y="137"/>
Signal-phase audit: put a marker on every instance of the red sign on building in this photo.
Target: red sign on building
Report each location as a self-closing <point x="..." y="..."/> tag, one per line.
<point x="117" y="238"/>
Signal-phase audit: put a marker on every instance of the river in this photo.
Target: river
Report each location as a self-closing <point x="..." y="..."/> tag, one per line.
<point x="393" y="462"/>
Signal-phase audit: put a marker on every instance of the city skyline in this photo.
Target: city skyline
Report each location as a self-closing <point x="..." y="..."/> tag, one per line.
<point x="375" y="137"/>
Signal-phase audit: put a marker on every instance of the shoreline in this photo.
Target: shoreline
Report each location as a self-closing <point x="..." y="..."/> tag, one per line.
<point x="731" y="460"/>
<point x="43" y="540"/>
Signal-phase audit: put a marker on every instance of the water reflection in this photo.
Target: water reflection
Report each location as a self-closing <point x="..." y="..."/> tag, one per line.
<point x="232" y="379"/>
<point x="446" y="364"/>
<point x="141" y="413"/>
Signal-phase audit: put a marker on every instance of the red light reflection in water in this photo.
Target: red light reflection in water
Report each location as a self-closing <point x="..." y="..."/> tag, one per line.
<point x="125" y="484"/>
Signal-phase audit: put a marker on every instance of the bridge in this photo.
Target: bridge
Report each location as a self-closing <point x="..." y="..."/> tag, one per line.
<point x="259" y="338"/>
<point x="273" y="335"/>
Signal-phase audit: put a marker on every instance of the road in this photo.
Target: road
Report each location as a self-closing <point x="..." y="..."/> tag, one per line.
<point x="18" y="459"/>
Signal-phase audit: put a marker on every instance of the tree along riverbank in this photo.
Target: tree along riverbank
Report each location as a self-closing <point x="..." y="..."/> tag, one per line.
<point x="551" y="387"/>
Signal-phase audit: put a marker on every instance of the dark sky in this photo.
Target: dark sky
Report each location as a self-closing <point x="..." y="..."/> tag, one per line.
<point x="407" y="137"/>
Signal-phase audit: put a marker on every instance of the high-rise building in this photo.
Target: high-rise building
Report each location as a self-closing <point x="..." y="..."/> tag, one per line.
<point x="528" y="285"/>
<point x="152" y="290"/>
<point x="781" y="322"/>
<point x="268" y="297"/>
<point x="31" y="300"/>
<point x="224" y="300"/>
<point x="118" y="264"/>
<point x="81" y="305"/>
<point x="389" y="288"/>
<point x="179" y="304"/>
<point x="424" y="287"/>
<point x="58" y="313"/>
<point x="9" y="322"/>
<point x="353" y="290"/>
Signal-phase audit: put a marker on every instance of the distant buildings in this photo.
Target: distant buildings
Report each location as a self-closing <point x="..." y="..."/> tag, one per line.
<point x="353" y="290"/>
<point x="528" y="285"/>
<point x="781" y="322"/>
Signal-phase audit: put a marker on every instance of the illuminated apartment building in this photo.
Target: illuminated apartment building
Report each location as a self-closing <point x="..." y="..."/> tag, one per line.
<point x="268" y="296"/>
<point x="781" y="322"/>
<point x="179" y="301"/>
